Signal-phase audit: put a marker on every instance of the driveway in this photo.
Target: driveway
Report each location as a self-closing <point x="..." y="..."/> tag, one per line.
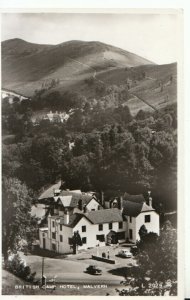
<point x="73" y="266"/>
<point x="71" y="271"/>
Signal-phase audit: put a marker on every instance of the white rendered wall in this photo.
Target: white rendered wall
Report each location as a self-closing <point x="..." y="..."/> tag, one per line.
<point x="152" y="226"/>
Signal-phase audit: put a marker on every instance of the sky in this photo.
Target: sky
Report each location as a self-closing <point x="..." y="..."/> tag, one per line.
<point x="152" y="36"/>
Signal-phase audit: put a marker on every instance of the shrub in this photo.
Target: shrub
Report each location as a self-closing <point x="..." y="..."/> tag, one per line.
<point x="18" y="267"/>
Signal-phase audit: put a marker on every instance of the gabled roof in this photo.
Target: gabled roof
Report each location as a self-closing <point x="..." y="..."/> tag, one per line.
<point x="76" y="191"/>
<point x="95" y="217"/>
<point x="146" y="207"/>
<point x="134" y="198"/>
<point x="73" y="220"/>
<point x="133" y="209"/>
<point x="65" y="200"/>
<point x="105" y="216"/>
<point x="66" y="193"/>
<point x="49" y="192"/>
<point x="71" y="199"/>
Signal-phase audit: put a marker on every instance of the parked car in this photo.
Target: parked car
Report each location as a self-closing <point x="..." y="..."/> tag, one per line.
<point x="125" y="253"/>
<point x="92" y="269"/>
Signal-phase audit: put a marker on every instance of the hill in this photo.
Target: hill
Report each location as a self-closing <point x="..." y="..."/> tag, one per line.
<point x="151" y="86"/>
<point x="91" y="69"/>
<point x="26" y="66"/>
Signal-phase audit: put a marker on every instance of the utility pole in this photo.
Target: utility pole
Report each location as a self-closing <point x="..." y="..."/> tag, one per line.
<point x="42" y="270"/>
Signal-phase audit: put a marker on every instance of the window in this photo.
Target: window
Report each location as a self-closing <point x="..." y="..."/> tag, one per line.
<point x="100" y="227"/>
<point x="93" y="209"/>
<point x="120" y="225"/>
<point x="84" y="240"/>
<point x="53" y="247"/>
<point x="61" y="238"/>
<point x="53" y="235"/>
<point x="83" y="228"/>
<point x="130" y="219"/>
<point x="100" y="237"/>
<point x="121" y="235"/>
<point x="110" y="226"/>
<point x="147" y="218"/>
<point x="61" y="227"/>
<point x="130" y="234"/>
<point x="53" y="224"/>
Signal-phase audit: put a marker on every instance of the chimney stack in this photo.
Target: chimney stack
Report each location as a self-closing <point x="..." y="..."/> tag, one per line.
<point x="66" y="217"/>
<point x="149" y="199"/>
<point x="84" y="208"/>
<point x="102" y="198"/>
<point x="150" y="202"/>
<point x="121" y="203"/>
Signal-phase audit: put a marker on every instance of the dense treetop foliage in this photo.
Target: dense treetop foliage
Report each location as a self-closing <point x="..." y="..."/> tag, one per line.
<point x="156" y="270"/>
<point x="17" y="223"/>
<point x="111" y="149"/>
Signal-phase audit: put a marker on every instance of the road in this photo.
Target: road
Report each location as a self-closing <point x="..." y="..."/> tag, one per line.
<point x="70" y="276"/>
<point x="66" y="270"/>
<point x="12" y="285"/>
<point x="72" y="268"/>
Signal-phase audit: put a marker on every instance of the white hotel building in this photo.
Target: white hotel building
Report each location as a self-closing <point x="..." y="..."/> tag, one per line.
<point x="95" y="225"/>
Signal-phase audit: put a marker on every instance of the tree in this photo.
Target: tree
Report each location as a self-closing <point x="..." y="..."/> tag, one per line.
<point x="16" y="100"/>
<point x="156" y="273"/>
<point x="142" y="231"/>
<point x="141" y="115"/>
<point x="18" y="267"/>
<point x="16" y="221"/>
<point x="77" y="171"/>
<point x="76" y="241"/>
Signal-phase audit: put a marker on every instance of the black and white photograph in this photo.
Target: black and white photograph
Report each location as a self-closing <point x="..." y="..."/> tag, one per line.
<point x="89" y="116"/>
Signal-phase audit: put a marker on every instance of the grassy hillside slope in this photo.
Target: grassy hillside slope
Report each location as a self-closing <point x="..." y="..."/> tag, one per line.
<point x="25" y="66"/>
<point x="89" y="69"/>
<point x="149" y="84"/>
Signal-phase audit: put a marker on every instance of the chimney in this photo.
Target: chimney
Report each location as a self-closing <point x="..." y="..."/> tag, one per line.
<point x="80" y="204"/>
<point x="149" y="199"/>
<point x="84" y="208"/>
<point x="121" y="203"/>
<point x="115" y="203"/>
<point x="150" y="202"/>
<point x="102" y="198"/>
<point x="66" y="217"/>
